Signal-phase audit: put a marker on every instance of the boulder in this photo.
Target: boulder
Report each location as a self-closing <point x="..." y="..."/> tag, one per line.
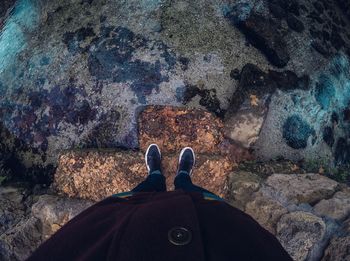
<point x="301" y="188"/>
<point x="266" y="211"/>
<point x="11" y="207"/>
<point x="53" y="212"/>
<point x="337" y="207"/>
<point x="339" y="246"/>
<point x="299" y="232"/>
<point x="241" y="187"/>
<point x="20" y="241"/>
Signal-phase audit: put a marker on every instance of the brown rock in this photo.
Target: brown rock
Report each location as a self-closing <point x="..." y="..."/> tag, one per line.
<point x="301" y="188"/>
<point x="338" y="207"/>
<point x="173" y="128"/>
<point x="244" y="126"/>
<point x="98" y="174"/>
<point x="53" y="212"/>
<point x="339" y="246"/>
<point x="299" y="233"/>
<point x="266" y="211"/>
<point x="242" y="186"/>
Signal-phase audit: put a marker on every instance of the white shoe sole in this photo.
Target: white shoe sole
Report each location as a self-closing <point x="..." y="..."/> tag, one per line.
<point x="194" y="157"/>
<point x="153" y="144"/>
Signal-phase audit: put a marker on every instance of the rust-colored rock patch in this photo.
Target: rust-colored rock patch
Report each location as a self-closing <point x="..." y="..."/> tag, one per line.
<point x="173" y="128"/>
<point x="96" y="174"/>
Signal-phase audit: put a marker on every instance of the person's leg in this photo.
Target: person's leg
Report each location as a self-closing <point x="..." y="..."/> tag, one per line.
<point x="184" y="172"/>
<point x="155" y="181"/>
<point x="183" y="181"/>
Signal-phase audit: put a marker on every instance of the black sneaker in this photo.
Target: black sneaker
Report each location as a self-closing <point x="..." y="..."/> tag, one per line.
<point x="186" y="161"/>
<point x="153" y="159"/>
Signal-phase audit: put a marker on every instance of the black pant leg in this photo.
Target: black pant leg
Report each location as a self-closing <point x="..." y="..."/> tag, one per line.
<point x="154" y="182"/>
<point x="183" y="181"/>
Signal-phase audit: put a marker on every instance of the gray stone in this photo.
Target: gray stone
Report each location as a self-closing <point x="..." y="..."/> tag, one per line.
<point x="54" y="212"/>
<point x="301" y="188"/>
<point x="266" y="211"/>
<point x="339" y="246"/>
<point x="242" y="185"/>
<point x="11" y="207"/>
<point x="299" y="232"/>
<point x="338" y="207"/>
<point x="21" y="240"/>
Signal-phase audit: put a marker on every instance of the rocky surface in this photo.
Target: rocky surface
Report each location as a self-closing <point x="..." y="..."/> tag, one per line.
<point x="299" y="232"/>
<point x="99" y="174"/>
<point x="304" y="211"/>
<point x="175" y="128"/>
<point x="263" y="34"/>
<point x="271" y="80"/>
<point x="53" y="212"/>
<point x="307" y="230"/>
<point x="33" y="220"/>
<point x="339" y="246"/>
<point x="78" y="72"/>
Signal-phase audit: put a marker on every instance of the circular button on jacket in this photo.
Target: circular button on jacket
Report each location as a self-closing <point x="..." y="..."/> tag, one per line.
<point x="179" y="236"/>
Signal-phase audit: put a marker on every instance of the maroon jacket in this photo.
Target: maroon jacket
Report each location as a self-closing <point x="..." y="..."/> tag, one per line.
<point x="162" y="226"/>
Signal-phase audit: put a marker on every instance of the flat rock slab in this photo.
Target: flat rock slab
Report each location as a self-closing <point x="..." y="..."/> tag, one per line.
<point x="98" y="174"/>
<point x="173" y="128"/>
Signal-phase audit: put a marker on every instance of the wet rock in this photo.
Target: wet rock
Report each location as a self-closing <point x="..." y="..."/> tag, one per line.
<point x="265" y="210"/>
<point x="339" y="246"/>
<point x="277" y="10"/>
<point x="265" y="35"/>
<point x="174" y="128"/>
<point x="5" y="5"/>
<point x="235" y="74"/>
<point x="254" y="81"/>
<point x="337" y="207"/>
<point x="96" y="175"/>
<point x="53" y="212"/>
<point x="342" y="152"/>
<point x="337" y="40"/>
<point x="241" y="186"/>
<point x="318" y="6"/>
<point x="345" y="7"/>
<point x="21" y="240"/>
<point x="323" y="91"/>
<point x="73" y="39"/>
<point x="320" y="48"/>
<point x="208" y="98"/>
<point x="288" y="80"/>
<point x="328" y="136"/>
<point x="302" y="188"/>
<point x="296" y="132"/>
<point x="299" y="232"/>
<point x="235" y="152"/>
<point x="294" y="23"/>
